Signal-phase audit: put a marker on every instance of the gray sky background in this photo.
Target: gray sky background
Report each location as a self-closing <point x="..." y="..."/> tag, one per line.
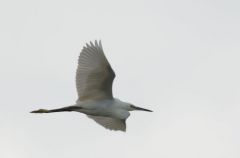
<point x="178" y="58"/>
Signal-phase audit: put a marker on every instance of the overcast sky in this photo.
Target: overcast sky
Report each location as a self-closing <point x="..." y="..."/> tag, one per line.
<point x="180" y="59"/>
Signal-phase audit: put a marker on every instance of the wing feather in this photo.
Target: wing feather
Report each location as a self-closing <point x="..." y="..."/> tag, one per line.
<point x="110" y="123"/>
<point x="94" y="75"/>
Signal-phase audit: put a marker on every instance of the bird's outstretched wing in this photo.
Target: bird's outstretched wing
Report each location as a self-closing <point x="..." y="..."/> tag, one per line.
<point x="110" y="123"/>
<point x="94" y="76"/>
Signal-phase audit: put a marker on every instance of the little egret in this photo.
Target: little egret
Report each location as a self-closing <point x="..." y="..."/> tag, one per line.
<point x="94" y="79"/>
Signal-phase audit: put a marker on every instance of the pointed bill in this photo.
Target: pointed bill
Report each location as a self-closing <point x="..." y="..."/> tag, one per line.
<point x="139" y="108"/>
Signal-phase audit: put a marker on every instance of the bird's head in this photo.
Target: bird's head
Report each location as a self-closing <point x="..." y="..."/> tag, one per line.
<point x="133" y="107"/>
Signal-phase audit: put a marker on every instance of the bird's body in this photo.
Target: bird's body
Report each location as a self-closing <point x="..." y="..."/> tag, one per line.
<point x="106" y="108"/>
<point x="94" y="80"/>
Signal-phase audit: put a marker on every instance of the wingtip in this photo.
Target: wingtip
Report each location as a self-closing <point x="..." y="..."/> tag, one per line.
<point x="96" y="43"/>
<point x="93" y="43"/>
<point x="117" y="130"/>
<point x="100" y="44"/>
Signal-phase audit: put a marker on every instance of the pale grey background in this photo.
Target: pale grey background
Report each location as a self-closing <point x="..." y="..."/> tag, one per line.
<point x="178" y="58"/>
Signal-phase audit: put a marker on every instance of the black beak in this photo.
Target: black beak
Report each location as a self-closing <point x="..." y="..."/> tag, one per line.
<point x="138" y="108"/>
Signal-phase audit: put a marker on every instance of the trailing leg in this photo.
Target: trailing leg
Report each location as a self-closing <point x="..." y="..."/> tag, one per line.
<point x="64" y="109"/>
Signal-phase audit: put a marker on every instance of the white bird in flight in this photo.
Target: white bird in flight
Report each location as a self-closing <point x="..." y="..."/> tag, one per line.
<point x="94" y="80"/>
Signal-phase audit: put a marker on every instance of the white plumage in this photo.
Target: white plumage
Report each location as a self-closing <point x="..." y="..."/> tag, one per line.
<point x="94" y="76"/>
<point x="94" y="79"/>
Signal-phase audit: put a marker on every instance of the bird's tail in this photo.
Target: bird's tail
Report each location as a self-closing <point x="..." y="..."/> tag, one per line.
<point x="64" y="109"/>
